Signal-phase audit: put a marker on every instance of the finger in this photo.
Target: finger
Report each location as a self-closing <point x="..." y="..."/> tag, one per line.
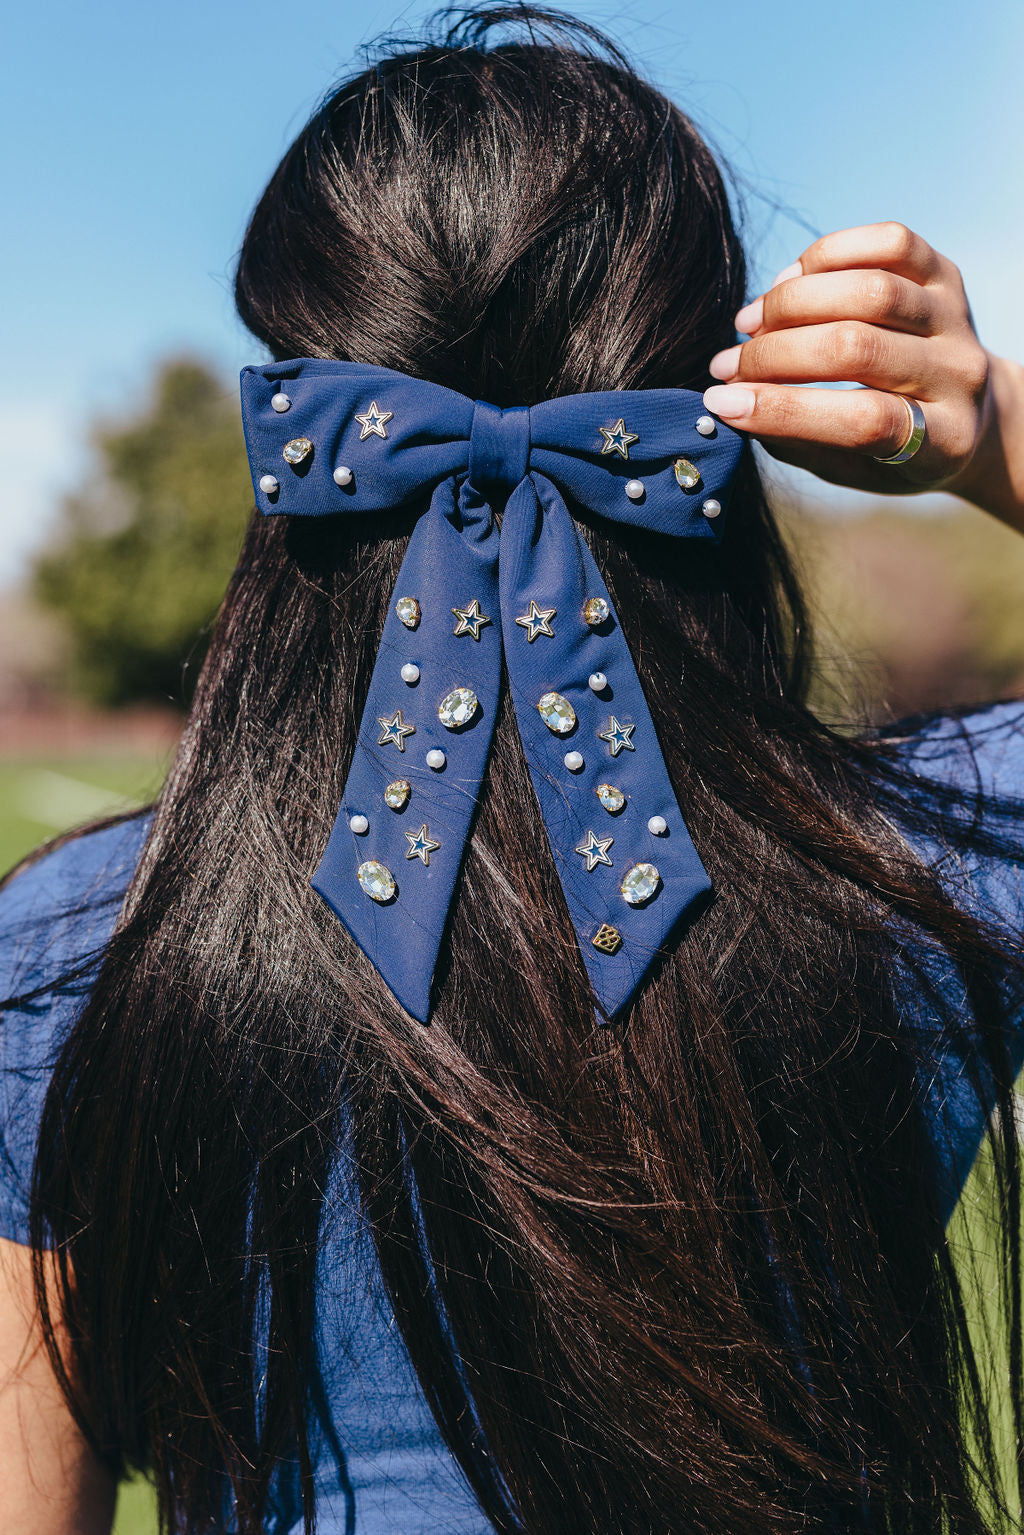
<point x="872" y="295"/>
<point x="843" y="351"/>
<point x="861" y="420"/>
<point x="890" y="245"/>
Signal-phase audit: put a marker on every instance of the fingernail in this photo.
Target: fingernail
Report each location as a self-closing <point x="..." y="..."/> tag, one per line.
<point x="725" y="364"/>
<point x="793" y="270"/>
<point x="750" y="317"/>
<point x="730" y="401"/>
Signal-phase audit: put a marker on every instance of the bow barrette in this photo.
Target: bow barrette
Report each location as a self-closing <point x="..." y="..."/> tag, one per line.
<point x="326" y="438"/>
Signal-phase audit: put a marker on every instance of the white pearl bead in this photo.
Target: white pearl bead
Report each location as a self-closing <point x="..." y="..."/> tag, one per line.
<point x="573" y="761"/>
<point x="634" y="489"/>
<point x="343" y="475"/>
<point x="598" y="681"/>
<point x="705" y="426"/>
<point x="359" y="824"/>
<point x="436" y="759"/>
<point x="410" y="673"/>
<point x="711" y="508"/>
<point x="658" y="825"/>
<point x="281" y="403"/>
<point x="269" y="484"/>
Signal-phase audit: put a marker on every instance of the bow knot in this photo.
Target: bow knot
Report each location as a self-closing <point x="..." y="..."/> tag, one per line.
<point x="326" y="438"/>
<point x="499" y="448"/>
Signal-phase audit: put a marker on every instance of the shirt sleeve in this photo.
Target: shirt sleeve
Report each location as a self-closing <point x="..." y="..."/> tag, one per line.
<point x="56" y="915"/>
<point x="980" y="754"/>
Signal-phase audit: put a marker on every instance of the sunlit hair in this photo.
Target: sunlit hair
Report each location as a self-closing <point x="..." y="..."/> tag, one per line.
<point x="683" y="1274"/>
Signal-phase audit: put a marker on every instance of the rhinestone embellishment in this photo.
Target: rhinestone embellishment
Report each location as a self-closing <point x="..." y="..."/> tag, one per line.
<point x="408" y="610"/>
<point x="470" y="619"/>
<point x="421" y="845"/>
<point x="394" y="730"/>
<point x="557" y="713"/>
<point x="639" y="883"/>
<point x="297" y="450"/>
<point x="607" y="938"/>
<point x="617" y="439"/>
<point x="377" y="880"/>
<point x="457" y="708"/>
<point x="537" y="621"/>
<point x="396" y="795"/>
<point x="611" y="798"/>
<point x="595" y="611"/>
<point x="594" y="850"/>
<point x="687" y="474"/>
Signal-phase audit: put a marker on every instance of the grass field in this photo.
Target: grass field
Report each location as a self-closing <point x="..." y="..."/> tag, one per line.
<point x="45" y="795"/>
<point x="40" y="797"/>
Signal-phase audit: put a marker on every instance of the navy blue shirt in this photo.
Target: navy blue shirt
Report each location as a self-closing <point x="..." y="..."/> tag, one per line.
<point x="395" y="1476"/>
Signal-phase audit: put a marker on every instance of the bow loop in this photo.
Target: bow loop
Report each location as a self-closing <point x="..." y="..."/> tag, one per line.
<point x="329" y="438"/>
<point x="499" y="447"/>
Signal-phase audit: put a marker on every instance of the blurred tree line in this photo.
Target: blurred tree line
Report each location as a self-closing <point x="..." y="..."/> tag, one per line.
<point x="914" y="610"/>
<point x="141" y="557"/>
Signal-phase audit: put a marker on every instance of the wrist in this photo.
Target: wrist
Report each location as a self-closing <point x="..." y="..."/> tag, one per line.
<point x="994" y="478"/>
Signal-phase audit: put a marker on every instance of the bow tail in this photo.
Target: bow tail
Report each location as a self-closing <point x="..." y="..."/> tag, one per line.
<point x="626" y="885"/>
<point x="391" y="882"/>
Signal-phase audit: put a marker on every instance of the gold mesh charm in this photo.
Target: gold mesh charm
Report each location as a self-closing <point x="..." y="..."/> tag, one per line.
<point x="607" y="938"/>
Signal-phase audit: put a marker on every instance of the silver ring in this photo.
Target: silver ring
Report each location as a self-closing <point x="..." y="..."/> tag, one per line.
<point x="915" y="437"/>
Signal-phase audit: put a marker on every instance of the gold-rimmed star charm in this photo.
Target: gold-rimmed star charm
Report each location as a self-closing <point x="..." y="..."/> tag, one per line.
<point x="394" y="730"/>
<point x="617" y="439"/>
<point x="537" y="621"/>
<point x="373" y="421"/>
<point x="421" y="844"/>
<point x="619" y="737"/>
<point x="470" y="619"/>
<point x="595" y="850"/>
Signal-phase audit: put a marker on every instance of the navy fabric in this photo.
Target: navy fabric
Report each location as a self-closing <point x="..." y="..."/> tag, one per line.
<point x="381" y="1466"/>
<point x="406" y="441"/>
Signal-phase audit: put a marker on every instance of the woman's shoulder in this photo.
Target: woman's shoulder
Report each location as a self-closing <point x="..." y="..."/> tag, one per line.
<point x="57" y="911"/>
<point x="60" y="904"/>
<point x="976" y="751"/>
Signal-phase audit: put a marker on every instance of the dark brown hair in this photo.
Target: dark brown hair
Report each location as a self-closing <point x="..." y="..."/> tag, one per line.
<point x="682" y="1274"/>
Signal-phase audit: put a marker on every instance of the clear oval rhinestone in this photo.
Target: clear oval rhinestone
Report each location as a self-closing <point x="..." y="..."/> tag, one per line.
<point x="396" y="795"/>
<point x="557" y="713"/>
<point x="298" y="449"/>
<point x="457" y="708"/>
<point x="408" y="610"/>
<point x="611" y="798"/>
<point x="639" y="883"/>
<point x="376" y="879"/>
<point x="595" y="611"/>
<point x="687" y="474"/>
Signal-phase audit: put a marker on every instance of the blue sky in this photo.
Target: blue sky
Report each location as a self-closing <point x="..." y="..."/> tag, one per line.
<point x="134" y="139"/>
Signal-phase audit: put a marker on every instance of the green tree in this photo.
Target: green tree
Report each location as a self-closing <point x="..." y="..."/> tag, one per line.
<point x="141" y="558"/>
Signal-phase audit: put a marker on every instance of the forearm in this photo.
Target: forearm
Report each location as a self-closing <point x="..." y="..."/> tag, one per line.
<point x="994" y="478"/>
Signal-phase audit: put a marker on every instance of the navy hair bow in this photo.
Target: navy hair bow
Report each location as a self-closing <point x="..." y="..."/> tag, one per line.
<point x="326" y="438"/>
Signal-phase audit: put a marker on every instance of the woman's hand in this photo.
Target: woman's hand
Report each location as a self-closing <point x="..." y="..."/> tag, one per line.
<point x="877" y="306"/>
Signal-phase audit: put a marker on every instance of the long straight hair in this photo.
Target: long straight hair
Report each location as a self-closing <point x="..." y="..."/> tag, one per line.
<point x="683" y="1274"/>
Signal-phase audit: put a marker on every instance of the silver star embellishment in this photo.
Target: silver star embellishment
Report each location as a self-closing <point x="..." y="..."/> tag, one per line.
<point x="594" y="850"/>
<point x="618" y="736"/>
<point x="537" y="621"/>
<point x="617" y="439"/>
<point x="373" y="421"/>
<point x="421" y="845"/>
<point x="470" y="619"/>
<point x="395" y="730"/>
